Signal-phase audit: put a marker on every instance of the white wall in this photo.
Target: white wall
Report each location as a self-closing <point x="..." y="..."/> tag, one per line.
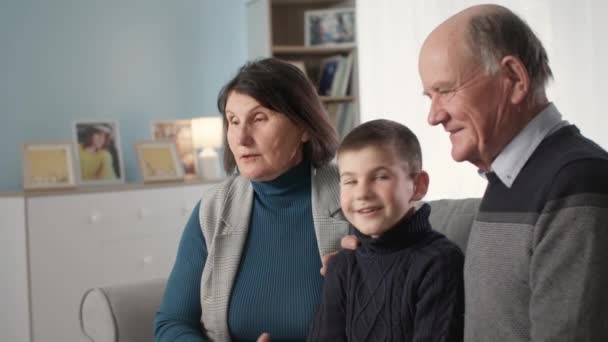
<point x="390" y="33"/>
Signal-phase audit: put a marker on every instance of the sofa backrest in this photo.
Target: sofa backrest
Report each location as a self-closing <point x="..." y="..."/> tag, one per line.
<point x="454" y="218"/>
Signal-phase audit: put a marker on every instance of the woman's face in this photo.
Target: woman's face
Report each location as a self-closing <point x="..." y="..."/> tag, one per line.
<point x="99" y="140"/>
<point x="265" y="143"/>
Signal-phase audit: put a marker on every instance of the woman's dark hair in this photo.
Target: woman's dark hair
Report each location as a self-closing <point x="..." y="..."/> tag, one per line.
<point x="86" y="137"/>
<point x="283" y="88"/>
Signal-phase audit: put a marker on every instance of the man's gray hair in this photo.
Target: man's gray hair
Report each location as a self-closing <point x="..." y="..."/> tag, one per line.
<point x="492" y="36"/>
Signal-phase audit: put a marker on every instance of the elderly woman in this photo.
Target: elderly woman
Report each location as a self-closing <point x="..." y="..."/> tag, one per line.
<point x="249" y="259"/>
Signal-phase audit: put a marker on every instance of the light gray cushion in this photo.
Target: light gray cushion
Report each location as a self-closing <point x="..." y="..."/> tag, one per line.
<point x="454" y="218"/>
<point x="121" y="313"/>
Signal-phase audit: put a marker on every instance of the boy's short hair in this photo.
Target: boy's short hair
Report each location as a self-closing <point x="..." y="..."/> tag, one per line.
<point x="388" y="133"/>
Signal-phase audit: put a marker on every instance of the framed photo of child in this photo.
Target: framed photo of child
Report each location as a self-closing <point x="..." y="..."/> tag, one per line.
<point x="179" y="132"/>
<point x="158" y="161"/>
<point x="99" y="158"/>
<point x="48" y="166"/>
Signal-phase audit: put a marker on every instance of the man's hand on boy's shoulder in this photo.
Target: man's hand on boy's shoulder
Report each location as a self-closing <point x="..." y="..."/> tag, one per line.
<point x="347" y="242"/>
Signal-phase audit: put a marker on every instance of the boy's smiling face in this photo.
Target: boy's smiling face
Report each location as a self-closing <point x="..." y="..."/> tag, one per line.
<point x="376" y="188"/>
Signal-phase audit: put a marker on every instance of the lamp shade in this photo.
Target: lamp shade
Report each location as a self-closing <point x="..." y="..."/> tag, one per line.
<point x="207" y="132"/>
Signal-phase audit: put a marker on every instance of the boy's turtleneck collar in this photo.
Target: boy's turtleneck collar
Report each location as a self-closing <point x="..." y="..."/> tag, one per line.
<point x="293" y="179"/>
<point x="403" y="234"/>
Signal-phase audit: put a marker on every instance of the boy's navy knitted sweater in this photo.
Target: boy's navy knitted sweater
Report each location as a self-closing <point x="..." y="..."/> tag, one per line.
<point x="405" y="285"/>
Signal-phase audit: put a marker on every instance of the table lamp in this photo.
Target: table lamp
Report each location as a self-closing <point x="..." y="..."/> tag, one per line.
<point x="207" y="136"/>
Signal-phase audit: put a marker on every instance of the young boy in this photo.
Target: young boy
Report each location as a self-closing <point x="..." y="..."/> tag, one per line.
<point x="404" y="283"/>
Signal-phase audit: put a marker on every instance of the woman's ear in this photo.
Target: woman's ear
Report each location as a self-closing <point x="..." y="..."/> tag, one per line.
<point x="517" y="73"/>
<point x="305" y="137"/>
<point x="421" y="185"/>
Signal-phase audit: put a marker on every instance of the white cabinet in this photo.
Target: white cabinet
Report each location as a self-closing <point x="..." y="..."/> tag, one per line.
<point x="76" y="241"/>
<point x="14" y="316"/>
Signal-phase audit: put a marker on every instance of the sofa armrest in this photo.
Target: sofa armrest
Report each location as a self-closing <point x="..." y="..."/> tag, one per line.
<point x="121" y="313"/>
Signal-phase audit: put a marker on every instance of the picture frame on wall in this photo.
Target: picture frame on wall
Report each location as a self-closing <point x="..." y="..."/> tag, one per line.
<point x="48" y="166"/>
<point x="98" y="154"/>
<point x="330" y="27"/>
<point x="158" y="161"/>
<point x="178" y="132"/>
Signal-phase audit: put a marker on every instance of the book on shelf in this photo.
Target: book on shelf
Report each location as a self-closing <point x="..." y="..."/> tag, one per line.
<point x="340" y="85"/>
<point x="335" y="73"/>
<point x="345" y="120"/>
<point x="328" y="71"/>
<point x="342" y="116"/>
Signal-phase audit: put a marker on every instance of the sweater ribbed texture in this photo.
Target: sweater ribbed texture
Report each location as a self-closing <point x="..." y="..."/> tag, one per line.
<point x="179" y="315"/>
<point x="405" y="285"/>
<point x="278" y="285"/>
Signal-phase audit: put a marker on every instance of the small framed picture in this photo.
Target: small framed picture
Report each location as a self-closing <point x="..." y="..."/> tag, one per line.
<point x="331" y="27"/>
<point x="48" y="166"/>
<point x="99" y="158"/>
<point x="158" y="161"/>
<point x="178" y="132"/>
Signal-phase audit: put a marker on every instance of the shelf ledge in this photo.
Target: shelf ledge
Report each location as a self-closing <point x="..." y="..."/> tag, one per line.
<point x="310" y="50"/>
<point x="328" y="99"/>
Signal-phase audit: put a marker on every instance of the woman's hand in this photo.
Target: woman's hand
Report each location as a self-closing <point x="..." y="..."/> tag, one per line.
<point x="347" y="242"/>
<point x="265" y="337"/>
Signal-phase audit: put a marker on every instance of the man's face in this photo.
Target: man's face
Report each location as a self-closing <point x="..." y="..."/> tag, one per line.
<point x="466" y="100"/>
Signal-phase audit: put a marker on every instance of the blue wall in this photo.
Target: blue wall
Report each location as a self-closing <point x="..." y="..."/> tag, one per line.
<point x="133" y="61"/>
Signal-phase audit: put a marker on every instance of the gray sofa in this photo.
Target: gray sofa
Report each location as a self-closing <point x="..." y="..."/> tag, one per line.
<point x="125" y="313"/>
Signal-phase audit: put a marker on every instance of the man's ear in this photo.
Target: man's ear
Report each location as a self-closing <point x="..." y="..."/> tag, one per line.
<point x="517" y="73"/>
<point x="421" y="185"/>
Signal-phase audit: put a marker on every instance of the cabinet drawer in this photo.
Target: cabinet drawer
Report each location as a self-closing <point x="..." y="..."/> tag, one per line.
<point x="137" y="259"/>
<point x="113" y="215"/>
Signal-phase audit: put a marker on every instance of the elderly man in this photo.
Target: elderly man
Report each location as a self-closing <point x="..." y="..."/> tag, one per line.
<point x="537" y="259"/>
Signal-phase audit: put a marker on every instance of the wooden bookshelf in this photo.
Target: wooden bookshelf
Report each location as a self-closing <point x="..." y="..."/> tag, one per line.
<point x="277" y="28"/>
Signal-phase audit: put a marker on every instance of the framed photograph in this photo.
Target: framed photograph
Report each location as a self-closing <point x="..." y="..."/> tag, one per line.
<point x="178" y="132"/>
<point x="99" y="158"/>
<point x="158" y="161"/>
<point x="48" y="166"/>
<point x="331" y="27"/>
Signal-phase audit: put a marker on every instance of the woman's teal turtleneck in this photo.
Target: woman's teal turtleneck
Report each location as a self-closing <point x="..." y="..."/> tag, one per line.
<point x="278" y="285"/>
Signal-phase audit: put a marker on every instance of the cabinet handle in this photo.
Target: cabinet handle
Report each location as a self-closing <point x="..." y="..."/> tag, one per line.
<point x="148" y="260"/>
<point x="95" y="217"/>
<point x="143" y="212"/>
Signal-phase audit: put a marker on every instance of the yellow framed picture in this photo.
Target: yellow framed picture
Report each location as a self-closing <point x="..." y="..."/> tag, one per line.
<point x="98" y="154"/>
<point x="158" y="161"/>
<point x="48" y="166"/>
<point x="179" y="132"/>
